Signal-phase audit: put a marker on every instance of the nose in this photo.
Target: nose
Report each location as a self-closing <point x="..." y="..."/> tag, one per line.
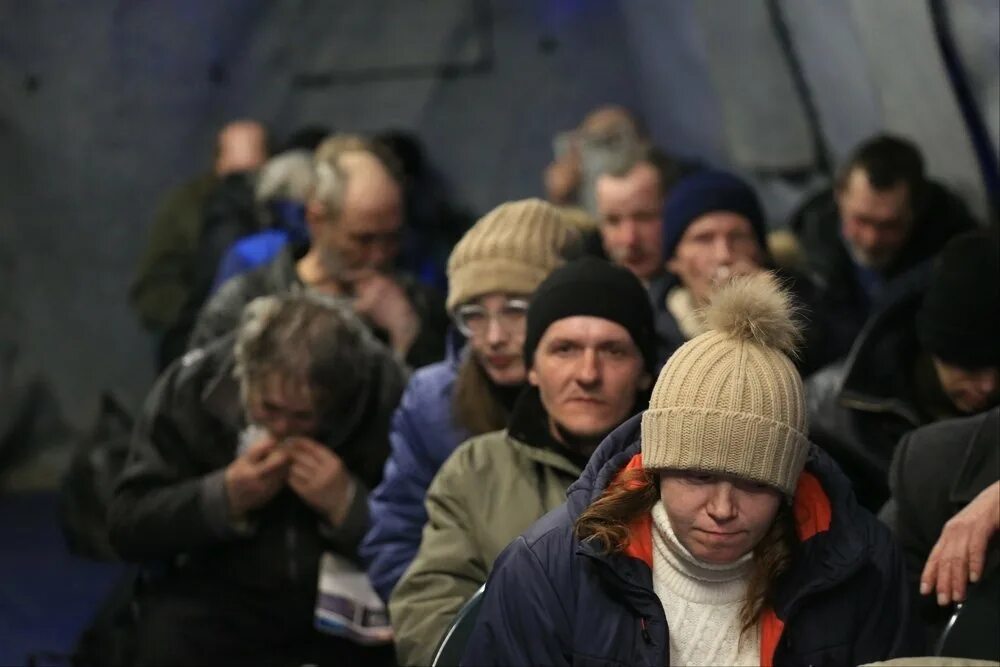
<point x="988" y="382"/>
<point x="721" y="504"/>
<point x="724" y="251"/>
<point x="589" y="372"/>
<point x="870" y="238"/>
<point x="379" y="255"/>
<point x="630" y="236"/>
<point x="495" y="333"/>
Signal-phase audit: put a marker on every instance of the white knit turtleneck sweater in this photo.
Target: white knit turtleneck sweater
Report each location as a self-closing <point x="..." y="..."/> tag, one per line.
<point x="702" y="602"/>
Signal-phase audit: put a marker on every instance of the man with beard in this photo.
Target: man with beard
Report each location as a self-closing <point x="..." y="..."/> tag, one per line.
<point x="354" y="216"/>
<point x="589" y="350"/>
<point x="882" y="219"/>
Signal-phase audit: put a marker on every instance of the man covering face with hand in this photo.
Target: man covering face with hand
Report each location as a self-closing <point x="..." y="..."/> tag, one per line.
<point x="251" y="459"/>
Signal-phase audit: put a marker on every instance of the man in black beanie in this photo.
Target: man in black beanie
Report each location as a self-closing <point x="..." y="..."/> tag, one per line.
<point x="589" y="349"/>
<point x="931" y="354"/>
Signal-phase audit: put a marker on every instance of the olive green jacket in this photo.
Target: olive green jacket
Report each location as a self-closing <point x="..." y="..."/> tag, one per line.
<point x="491" y="489"/>
<point x="163" y="280"/>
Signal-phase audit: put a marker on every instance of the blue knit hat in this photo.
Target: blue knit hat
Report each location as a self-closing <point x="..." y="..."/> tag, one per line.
<point x="707" y="192"/>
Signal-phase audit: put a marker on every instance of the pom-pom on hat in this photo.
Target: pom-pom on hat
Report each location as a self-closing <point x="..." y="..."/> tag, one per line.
<point x="730" y="401"/>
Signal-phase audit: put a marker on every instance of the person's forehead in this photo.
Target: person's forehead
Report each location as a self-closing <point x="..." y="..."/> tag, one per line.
<point x="719" y="222"/>
<point x="642" y="179"/>
<point x="860" y="192"/>
<point x="587" y="330"/>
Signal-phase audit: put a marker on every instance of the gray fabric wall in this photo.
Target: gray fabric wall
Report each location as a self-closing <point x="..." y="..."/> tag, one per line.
<point x="104" y="105"/>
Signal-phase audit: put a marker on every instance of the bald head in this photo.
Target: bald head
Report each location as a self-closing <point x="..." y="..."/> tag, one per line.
<point x="370" y="186"/>
<point x="357" y="211"/>
<point x="241" y="146"/>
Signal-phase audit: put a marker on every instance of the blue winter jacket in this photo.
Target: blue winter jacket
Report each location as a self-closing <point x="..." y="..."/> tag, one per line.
<point x="554" y="600"/>
<point x="423" y="436"/>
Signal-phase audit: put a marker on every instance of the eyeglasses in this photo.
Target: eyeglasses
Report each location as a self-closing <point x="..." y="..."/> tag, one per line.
<point x="474" y="320"/>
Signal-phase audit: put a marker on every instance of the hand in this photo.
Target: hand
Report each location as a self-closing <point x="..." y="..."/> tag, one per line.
<point x="384" y="303"/>
<point x="320" y="478"/>
<point x="255" y="476"/>
<point x="960" y="552"/>
<point x="562" y="178"/>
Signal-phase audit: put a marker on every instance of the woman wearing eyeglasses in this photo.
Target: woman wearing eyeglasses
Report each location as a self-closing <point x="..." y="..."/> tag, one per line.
<point x="492" y="273"/>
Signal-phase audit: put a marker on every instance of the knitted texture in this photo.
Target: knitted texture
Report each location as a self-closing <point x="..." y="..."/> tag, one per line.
<point x="958" y="321"/>
<point x="730" y="401"/>
<point x="701" y="601"/>
<point x="705" y="192"/>
<point x="511" y="249"/>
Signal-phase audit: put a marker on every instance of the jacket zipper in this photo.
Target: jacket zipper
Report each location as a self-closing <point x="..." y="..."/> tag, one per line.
<point x="644" y="630"/>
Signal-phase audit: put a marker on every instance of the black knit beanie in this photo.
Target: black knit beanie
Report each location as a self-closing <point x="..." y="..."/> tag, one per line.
<point x="959" y="320"/>
<point x="595" y="288"/>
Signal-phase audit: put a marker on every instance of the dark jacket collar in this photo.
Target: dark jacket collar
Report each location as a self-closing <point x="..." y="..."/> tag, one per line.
<point x="879" y="368"/>
<point x="529" y="424"/>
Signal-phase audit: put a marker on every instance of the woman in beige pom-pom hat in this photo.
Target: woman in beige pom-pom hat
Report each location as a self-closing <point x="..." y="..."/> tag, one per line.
<point x="708" y="531"/>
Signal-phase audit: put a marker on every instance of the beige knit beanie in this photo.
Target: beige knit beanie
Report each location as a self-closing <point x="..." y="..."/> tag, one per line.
<point x="510" y="249"/>
<point x="730" y="401"/>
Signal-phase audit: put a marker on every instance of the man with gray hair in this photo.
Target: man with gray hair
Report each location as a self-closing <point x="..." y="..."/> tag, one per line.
<point x="252" y="457"/>
<point x="354" y="215"/>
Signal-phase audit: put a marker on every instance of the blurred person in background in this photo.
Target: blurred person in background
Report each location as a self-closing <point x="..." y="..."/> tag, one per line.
<point x="882" y="219"/>
<point x="281" y="191"/>
<point x="712" y="230"/>
<point x="931" y="354"/>
<point x="162" y="289"/>
<point x="354" y="215"/>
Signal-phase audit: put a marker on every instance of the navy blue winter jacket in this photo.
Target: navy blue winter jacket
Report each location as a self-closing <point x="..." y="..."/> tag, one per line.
<point x="423" y="436"/>
<point x="554" y="600"/>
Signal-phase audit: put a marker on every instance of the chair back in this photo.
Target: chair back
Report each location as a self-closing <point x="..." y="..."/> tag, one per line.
<point x="452" y="646"/>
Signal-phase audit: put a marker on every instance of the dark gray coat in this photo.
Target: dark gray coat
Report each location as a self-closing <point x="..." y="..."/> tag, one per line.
<point x="936" y="471"/>
<point x="169" y="503"/>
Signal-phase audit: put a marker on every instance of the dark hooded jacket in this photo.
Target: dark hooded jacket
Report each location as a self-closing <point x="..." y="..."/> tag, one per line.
<point x="860" y="407"/>
<point x="937" y="470"/>
<point x="169" y="504"/>
<point x="554" y="600"/>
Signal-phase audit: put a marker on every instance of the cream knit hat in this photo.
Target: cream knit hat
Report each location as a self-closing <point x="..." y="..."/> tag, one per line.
<point x="510" y="249"/>
<point x="730" y="401"/>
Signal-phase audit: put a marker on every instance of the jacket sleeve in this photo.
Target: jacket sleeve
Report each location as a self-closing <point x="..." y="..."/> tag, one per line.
<point x="916" y="507"/>
<point x="891" y="628"/>
<point x="396" y="506"/>
<point x="447" y="570"/>
<point x="162" y="282"/>
<point x="170" y="498"/>
<point x="522" y="620"/>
